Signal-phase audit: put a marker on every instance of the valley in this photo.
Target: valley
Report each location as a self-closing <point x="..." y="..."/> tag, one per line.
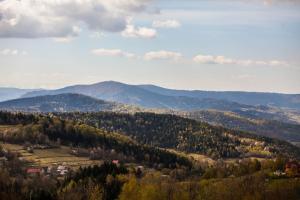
<point x="149" y="100"/>
<point x="118" y="141"/>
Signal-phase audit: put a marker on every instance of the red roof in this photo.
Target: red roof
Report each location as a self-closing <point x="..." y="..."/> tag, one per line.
<point x="291" y="164"/>
<point x="33" y="170"/>
<point x="115" y="161"/>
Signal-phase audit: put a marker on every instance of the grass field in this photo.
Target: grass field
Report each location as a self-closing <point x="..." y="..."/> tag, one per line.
<point x="7" y="127"/>
<point x="46" y="157"/>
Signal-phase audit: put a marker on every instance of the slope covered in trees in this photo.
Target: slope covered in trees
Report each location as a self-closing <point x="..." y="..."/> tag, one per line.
<point x="170" y="131"/>
<point x="52" y="130"/>
<point x="268" y="128"/>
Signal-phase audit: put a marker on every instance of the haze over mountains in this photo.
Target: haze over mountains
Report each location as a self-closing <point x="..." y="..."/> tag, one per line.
<point x="249" y="98"/>
<point x="271" y="106"/>
<point x="268" y="114"/>
<point x="151" y="96"/>
<point x="12" y="93"/>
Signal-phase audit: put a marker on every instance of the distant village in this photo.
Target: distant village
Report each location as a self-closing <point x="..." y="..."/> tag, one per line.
<point x="62" y="169"/>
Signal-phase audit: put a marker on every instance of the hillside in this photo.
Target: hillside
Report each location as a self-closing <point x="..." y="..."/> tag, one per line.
<point x="268" y="128"/>
<point x="185" y="135"/>
<point x="52" y="132"/>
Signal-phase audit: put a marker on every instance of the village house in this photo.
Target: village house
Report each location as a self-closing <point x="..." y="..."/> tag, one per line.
<point x="279" y="173"/>
<point x="3" y="160"/>
<point x="62" y="169"/>
<point x="292" y="168"/>
<point x="29" y="149"/>
<point x="33" y="171"/>
<point x="116" y="162"/>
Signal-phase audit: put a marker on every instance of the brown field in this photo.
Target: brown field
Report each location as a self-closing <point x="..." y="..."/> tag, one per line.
<point x="7" y="127"/>
<point x="46" y="157"/>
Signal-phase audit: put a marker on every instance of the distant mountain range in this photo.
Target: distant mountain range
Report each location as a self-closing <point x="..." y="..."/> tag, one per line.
<point x="150" y="96"/>
<point x="136" y="95"/>
<point x="271" y="106"/>
<point x="248" y="98"/>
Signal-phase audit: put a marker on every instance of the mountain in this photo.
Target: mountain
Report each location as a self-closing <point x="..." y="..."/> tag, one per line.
<point x="58" y="103"/>
<point x="152" y="96"/>
<point x="249" y="98"/>
<point x="12" y="93"/>
<point x="135" y="95"/>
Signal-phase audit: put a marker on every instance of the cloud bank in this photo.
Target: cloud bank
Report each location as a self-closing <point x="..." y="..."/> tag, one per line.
<point x="12" y="52"/>
<point x="162" y="55"/>
<point x="177" y="56"/>
<point x="64" y="18"/>
<point x="222" y="60"/>
<point x="139" y="32"/>
<point x="166" y="24"/>
<point x="112" y="52"/>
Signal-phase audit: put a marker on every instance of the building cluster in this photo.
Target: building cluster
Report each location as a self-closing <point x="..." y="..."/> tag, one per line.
<point x="291" y="168"/>
<point x="53" y="170"/>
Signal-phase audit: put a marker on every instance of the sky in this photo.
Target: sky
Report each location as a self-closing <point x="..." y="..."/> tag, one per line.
<point x="231" y="45"/>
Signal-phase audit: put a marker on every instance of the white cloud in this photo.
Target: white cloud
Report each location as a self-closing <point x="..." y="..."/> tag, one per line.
<point x="53" y="18"/>
<point x="162" y="55"/>
<point x="112" y="52"/>
<point x="97" y="35"/>
<point x="166" y="24"/>
<point x="208" y="59"/>
<point x="222" y="60"/>
<point x="139" y="32"/>
<point x="271" y="2"/>
<point x="63" y="39"/>
<point x="12" y="52"/>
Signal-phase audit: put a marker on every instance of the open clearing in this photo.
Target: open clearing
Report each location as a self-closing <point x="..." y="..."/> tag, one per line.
<point x="46" y="157"/>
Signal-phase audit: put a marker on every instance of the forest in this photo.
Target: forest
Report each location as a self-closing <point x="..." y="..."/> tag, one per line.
<point x="144" y="169"/>
<point x="245" y="180"/>
<point x="171" y="131"/>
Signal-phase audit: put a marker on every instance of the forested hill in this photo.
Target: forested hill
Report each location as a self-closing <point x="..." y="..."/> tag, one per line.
<point x="140" y="134"/>
<point x="51" y="131"/>
<point x="58" y="103"/>
<point x="174" y="132"/>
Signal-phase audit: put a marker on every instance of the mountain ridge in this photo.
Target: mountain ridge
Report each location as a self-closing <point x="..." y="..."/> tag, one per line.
<point x="249" y="98"/>
<point x="57" y="103"/>
<point x="136" y="95"/>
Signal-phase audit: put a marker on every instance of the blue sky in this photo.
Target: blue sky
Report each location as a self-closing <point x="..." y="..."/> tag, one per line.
<point x="207" y="45"/>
